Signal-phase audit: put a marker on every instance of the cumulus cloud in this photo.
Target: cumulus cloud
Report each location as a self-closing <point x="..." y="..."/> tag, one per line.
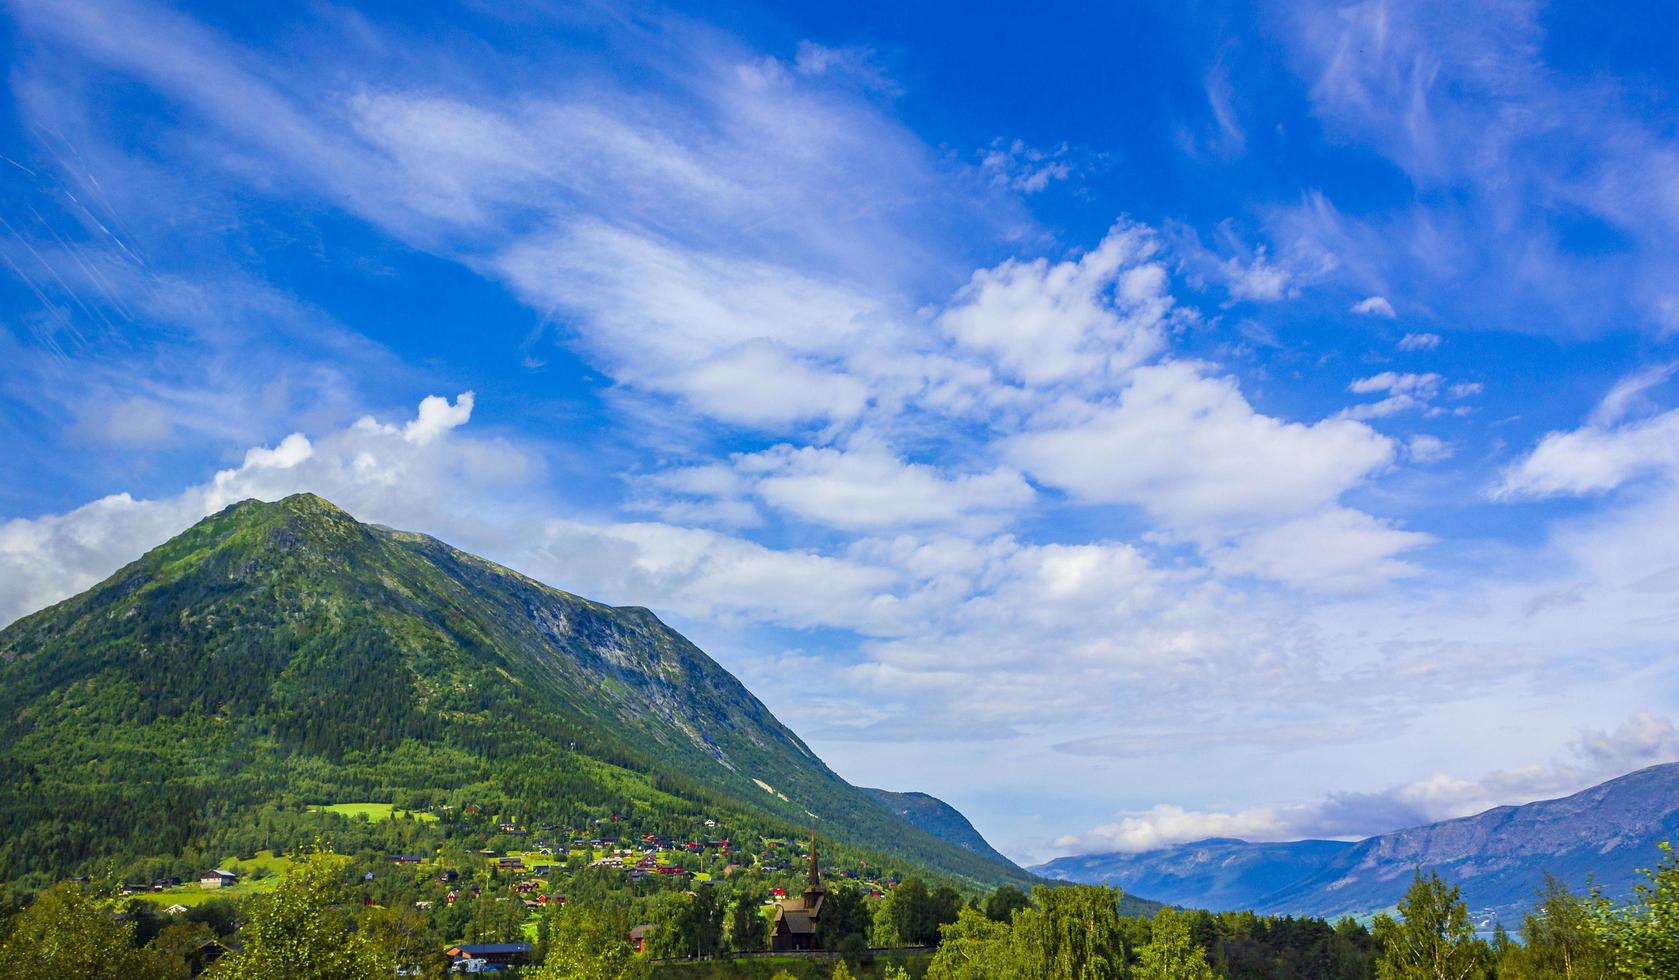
<point x="1418" y="341"/>
<point x="1093" y="317"/>
<point x="1191" y="450"/>
<point x="437" y="416"/>
<point x="414" y="475"/>
<point x="1379" y="306"/>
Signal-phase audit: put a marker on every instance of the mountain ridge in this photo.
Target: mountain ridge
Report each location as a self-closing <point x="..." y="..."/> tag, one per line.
<point x="1499" y="857"/>
<point x="287" y="650"/>
<point x="938" y="818"/>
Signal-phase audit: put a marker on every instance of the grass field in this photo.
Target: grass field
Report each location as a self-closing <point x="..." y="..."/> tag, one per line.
<point x="190" y="894"/>
<point x="374" y="812"/>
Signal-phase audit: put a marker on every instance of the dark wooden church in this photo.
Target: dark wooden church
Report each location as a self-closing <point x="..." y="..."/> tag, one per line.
<point x="796" y="918"/>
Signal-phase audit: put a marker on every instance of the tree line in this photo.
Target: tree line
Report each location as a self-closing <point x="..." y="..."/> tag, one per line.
<point x="315" y="924"/>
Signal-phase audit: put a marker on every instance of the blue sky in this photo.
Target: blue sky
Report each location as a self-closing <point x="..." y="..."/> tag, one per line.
<point x="1131" y="423"/>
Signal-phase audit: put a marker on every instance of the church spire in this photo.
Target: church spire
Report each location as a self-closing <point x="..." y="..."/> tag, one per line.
<point x="813" y="881"/>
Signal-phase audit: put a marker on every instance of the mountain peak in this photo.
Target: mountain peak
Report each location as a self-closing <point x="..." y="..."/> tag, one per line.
<point x="293" y="506"/>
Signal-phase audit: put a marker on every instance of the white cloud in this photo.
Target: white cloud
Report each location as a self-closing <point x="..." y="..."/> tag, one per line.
<point x="1043" y="323"/>
<point x="1594" y="459"/>
<point x="1425" y="448"/>
<point x="867" y="489"/>
<point x="1190" y="450"/>
<point x="1422" y="385"/>
<point x="651" y="309"/>
<point x="1609" y="451"/>
<point x="1334" y="550"/>
<point x="1496" y="141"/>
<point x="1418" y="341"/>
<point x="1595" y="755"/>
<point x="1405" y="392"/>
<point x="374" y="469"/>
<point x="1629" y="395"/>
<point x="761" y="385"/>
<point x="437" y="416"/>
<point x="1019" y="167"/>
<point x="708" y="575"/>
<point x="1165" y="825"/>
<point x="1379" y="306"/>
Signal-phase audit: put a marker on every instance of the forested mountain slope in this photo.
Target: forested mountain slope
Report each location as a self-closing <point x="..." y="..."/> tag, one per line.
<point x="287" y="652"/>
<point x="1500" y="858"/>
<point x="938" y="818"/>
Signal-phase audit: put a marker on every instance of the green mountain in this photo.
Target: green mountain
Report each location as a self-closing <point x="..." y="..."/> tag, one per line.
<point x="938" y="818"/>
<point x="1499" y="858"/>
<point x="281" y="654"/>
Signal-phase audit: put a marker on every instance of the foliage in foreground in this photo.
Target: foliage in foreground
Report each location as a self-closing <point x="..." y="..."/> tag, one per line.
<point x="313" y="925"/>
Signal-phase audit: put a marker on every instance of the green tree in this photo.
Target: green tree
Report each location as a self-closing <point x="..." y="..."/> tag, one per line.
<point x="842" y="972"/>
<point x="1557" y="941"/>
<point x="974" y="948"/>
<point x="689" y="924"/>
<point x="1433" y="939"/>
<point x="1001" y="904"/>
<point x="407" y="938"/>
<point x="497" y="918"/>
<point x="1074" y="933"/>
<point x="883" y="933"/>
<point x="302" y="932"/>
<point x="182" y="948"/>
<point x="1171" y="954"/>
<point x="845" y="920"/>
<point x="1643" y="935"/>
<point x="591" y="944"/>
<point x="70" y="934"/>
<point x="748" y="930"/>
<point x="917" y="912"/>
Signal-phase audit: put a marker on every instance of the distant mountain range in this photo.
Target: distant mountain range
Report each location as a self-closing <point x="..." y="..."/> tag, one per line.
<point x="279" y="654"/>
<point x="1499" y="858"/>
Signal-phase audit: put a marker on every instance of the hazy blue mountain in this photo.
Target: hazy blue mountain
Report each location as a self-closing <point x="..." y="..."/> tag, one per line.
<point x="1218" y="873"/>
<point x="1499" y="858"/>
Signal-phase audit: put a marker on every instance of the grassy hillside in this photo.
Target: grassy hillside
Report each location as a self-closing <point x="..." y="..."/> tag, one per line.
<point x="281" y="655"/>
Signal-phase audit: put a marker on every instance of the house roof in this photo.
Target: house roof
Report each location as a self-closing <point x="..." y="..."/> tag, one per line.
<point x="797" y="921"/>
<point x="219" y="873"/>
<point x="480" y="949"/>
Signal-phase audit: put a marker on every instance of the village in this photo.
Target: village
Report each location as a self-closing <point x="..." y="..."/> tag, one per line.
<point x="523" y="872"/>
